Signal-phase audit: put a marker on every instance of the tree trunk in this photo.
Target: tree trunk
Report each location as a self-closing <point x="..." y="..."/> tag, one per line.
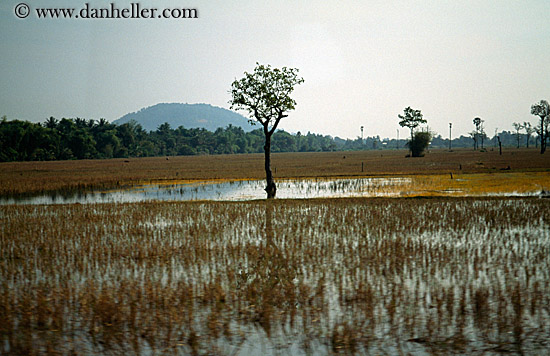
<point x="410" y="144"/>
<point x="542" y="135"/>
<point x="271" y="188"/>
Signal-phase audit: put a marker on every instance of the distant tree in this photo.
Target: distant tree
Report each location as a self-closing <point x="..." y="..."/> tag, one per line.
<point x="51" y="123"/>
<point x="542" y="110"/>
<point x="126" y="133"/>
<point x="105" y="135"/>
<point x="283" y="142"/>
<point x="165" y="140"/>
<point x="80" y="123"/>
<point x="265" y="94"/>
<point x="255" y="140"/>
<point x="518" y="127"/>
<point x="81" y="144"/>
<point x="419" y="143"/>
<point x="481" y="134"/>
<point x="529" y="130"/>
<point x="102" y="122"/>
<point x="186" y="150"/>
<point x="477" y="123"/>
<point x="473" y="135"/>
<point x="412" y="119"/>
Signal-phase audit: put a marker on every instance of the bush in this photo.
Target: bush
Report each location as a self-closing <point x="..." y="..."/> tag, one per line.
<point x="419" y="143"/>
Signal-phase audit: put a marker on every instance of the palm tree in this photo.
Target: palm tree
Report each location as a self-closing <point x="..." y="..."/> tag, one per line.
<point x="51" y="123"/>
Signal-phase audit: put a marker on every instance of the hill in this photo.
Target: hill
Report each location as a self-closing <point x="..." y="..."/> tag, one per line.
<point x="186" y="115"/>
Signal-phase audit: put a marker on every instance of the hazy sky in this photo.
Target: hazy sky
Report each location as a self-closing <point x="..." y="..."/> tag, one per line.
<point x="363" y="61"/>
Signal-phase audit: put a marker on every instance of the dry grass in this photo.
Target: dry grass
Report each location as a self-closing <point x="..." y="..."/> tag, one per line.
<point x="377" y="276"/>
<point x="36" y="177"/>
<point x="476" y="184"/>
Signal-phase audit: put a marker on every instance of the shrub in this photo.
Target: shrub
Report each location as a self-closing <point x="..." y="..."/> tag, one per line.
<point x="419" y="143"/>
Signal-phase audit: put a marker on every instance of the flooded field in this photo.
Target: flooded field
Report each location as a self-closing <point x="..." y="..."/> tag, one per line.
<point x="296" y="277"/>
<point x="237" y="190"/>
<point x="519" y="184"/>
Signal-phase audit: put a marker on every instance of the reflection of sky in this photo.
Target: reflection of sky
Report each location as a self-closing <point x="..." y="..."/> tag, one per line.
<point x="233" y="190"/>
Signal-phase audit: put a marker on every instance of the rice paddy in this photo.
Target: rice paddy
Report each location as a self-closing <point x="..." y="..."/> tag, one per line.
<point x="447" y="254"/>
<point x="417" y="276"/>
<point x="463" y="185"/>
<point x="72" y="177"/>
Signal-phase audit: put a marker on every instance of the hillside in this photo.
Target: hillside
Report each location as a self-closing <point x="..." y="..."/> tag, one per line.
<point x="186" y="115"/>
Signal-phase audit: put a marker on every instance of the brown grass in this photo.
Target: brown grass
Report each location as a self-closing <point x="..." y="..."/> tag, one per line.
<point x="34" y="177"/>
<point x="413" y="276"/>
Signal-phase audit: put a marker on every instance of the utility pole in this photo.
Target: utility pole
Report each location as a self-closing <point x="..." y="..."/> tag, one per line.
<point x="450" y="136"/>
<point x="362" y="142"/>
<point x="397" y="138"/>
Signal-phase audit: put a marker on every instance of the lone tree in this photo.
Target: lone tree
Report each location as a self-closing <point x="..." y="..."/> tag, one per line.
<point x="412" y="119"/>
<point x="477" y="123"/>
<point x="529" y="130"/>
<point x="482" y="133"/>
<point x="518" y="128"/>
<point x="542" y="110"/>
<point x="265" y="94"/>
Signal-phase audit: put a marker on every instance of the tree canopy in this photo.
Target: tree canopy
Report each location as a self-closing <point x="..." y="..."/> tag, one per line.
<point x="412" y="119"/>
<point x="77" y="138"/>
<point x="542" y="110"/>
<point x="265" y="94"/>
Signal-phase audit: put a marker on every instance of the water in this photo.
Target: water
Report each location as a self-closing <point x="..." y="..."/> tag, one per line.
<point x="390" y="276"/>
<point x="226" y="191"/>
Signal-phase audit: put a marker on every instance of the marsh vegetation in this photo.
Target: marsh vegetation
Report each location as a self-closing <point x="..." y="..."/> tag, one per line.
<point x="463" y="185"/>
<point x="29" y="178"/>
<point x="223" y="190"/>
<point x="366" y="276"/>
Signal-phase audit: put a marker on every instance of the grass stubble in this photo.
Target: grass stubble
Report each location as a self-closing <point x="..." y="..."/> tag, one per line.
<point x="320" y="276"/>
<point x="70" y="177"/>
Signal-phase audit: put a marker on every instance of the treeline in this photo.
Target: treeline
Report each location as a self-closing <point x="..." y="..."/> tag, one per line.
<point x="508" y="139"/>
<point x="92" y="139"/>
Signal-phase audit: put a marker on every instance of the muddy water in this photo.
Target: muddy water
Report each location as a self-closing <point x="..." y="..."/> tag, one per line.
<point x="227" y="191"/>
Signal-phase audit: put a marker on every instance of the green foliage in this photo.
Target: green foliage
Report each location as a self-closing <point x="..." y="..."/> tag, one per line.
<point x="88" y="139"/>
<point x="64" y="139"/>
<point x="542" y="110"/>
<point x="412" y="119"/>
<point x="265" y="94"/>
<point x="419" y="143"/>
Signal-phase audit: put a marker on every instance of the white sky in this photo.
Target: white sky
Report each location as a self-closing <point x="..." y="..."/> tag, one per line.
<point x="363" y="61"/>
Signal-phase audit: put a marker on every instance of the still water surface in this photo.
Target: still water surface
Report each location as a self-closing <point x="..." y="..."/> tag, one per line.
<point x="226" y="190"/>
